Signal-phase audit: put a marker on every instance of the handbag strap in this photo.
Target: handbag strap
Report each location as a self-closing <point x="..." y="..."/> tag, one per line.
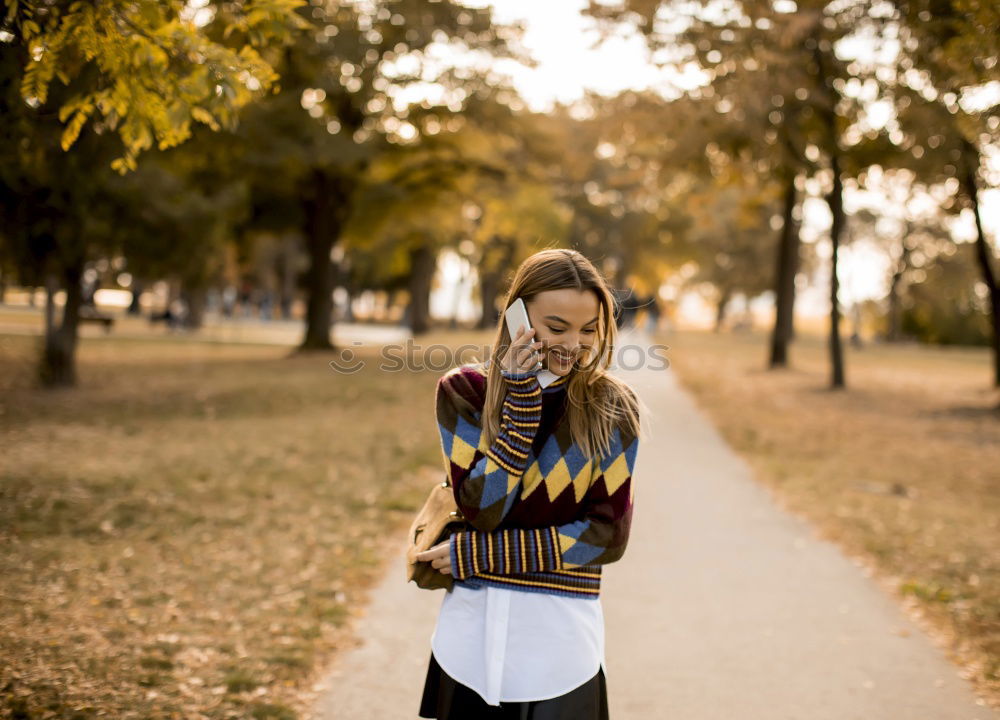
<point x="456" y="513"/>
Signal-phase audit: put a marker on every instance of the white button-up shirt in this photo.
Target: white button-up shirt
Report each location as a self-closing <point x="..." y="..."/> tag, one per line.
<point x="517" y="646"/>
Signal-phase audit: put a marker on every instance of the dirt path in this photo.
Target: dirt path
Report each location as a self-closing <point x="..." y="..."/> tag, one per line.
<point x="724" y="607"/>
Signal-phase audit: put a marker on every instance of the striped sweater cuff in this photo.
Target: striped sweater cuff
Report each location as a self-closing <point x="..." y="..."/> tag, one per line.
<point x="504" y="552"/>
<point x="524" y="393"/>
<point x="519" y="375"/>
<point x="520" y="416"/>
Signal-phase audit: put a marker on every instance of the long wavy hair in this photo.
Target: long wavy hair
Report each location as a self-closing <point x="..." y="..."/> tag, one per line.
<point x="597" y="400"/>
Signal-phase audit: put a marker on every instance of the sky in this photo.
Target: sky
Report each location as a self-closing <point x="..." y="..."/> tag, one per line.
<point x="570" y="59"/>
<point x="563" y="42"/>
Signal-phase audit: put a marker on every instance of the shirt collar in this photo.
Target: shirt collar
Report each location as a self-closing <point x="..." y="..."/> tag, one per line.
<point x="558" y="384"/>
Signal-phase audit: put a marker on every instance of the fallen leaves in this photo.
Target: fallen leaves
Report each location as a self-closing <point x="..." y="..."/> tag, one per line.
<point x="159" y="564"/>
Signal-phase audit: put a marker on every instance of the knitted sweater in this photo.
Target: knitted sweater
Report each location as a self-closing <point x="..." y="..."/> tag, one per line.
<point x="541" y="516"/>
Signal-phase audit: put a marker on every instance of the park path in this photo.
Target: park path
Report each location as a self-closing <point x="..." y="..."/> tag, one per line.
<point x="723" y="606"/>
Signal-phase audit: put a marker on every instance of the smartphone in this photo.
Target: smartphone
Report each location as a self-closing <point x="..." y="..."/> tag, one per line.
<point x="517" y="316"/>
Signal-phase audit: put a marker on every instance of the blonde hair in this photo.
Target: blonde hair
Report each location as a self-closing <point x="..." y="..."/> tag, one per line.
<point x="597" y="400"/>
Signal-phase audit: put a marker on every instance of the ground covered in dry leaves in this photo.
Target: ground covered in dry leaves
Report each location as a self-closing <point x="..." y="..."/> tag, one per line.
<point x="188" y="533"/>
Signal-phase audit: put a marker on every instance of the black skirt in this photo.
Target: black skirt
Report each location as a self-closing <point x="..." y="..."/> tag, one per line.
<point x="447" y="699"/>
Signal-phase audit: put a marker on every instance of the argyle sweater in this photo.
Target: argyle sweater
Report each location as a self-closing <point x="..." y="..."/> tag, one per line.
<point x="540" y="515"/>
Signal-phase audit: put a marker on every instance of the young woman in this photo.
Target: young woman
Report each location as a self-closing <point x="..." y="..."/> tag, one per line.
<point x="543" y="476"/>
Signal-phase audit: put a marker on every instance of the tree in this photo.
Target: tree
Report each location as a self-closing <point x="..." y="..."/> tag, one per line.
<point x="731" y="232"/>
<point x="140" y="71"/>
<point x="460" y="188"/>
<point x="948" y="51"/>
<point x="779" y="77"/>
<point x="179" y="212"/>
<point x="145" y="69"/>
<point x="600" y="163"/>
<point x="340" y="107"/>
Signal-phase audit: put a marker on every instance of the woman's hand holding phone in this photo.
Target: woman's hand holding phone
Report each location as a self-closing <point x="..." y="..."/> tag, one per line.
<point x="523" y="354"/>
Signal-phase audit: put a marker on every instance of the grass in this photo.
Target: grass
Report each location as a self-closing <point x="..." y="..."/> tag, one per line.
<point x="900" y="469"/>
<point x="190" y="531"/>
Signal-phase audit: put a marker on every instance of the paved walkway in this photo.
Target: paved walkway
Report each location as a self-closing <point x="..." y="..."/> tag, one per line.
<point x="723" y="607"/>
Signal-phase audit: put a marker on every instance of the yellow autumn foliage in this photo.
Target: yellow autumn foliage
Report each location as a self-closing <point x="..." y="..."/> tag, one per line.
<point x="157" y="69"/>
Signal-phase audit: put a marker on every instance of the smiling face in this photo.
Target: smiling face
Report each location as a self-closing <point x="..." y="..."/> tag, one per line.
<point x="565" y="321"/>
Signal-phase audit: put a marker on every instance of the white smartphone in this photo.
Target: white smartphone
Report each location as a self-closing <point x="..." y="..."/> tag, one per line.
<point x="517" y="316"/>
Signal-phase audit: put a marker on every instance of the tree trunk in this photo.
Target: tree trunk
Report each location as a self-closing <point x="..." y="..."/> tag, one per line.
<point x="784" y="278"/>
<point x="491" y="275"/>
<point x="51" y="288"/>
<point x="134" y="308"/>
<point x="194" y="301"/>
<point x="983" y="253"/>
<point x="893" y="330"/>
<point x="58" y="365"/>
<point x="349" y="306"/>
<point x="892" y="322"/>
<point x="324" y="210"/>
<point x="836" y="202"/>
<point x="392" y="301"/>
<point x="720" y="309"/>
<point x="423" y="262"/>
<point x="284" y="269"/>
<point x="459" y="293"/>
<point x="489" y="288"/>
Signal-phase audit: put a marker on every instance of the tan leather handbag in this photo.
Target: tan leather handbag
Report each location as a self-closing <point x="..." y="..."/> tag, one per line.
<point x="435" y="522"/>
